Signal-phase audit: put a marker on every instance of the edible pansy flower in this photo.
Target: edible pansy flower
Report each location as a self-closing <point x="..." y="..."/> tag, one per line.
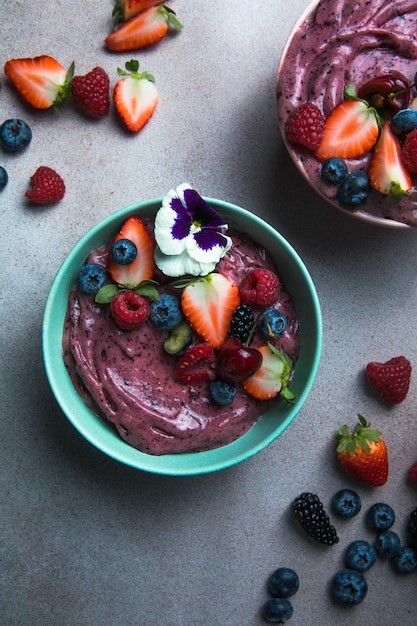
<point x="189" y="234"/>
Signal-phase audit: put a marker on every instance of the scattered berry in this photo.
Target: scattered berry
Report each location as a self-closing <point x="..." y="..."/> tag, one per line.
<point x="388" y="543"/>
<point x="410" y="151"/>
<point x="143" y="267"/>
<point x="242" y="323"/>
<point x="135" y="96"/>
<point x="3" y="178"/>
<point x="47" y="186"/>
<point x="404" y="121"/>
<point x="380" y="517"/>
<point x="273" y="377"/>
<point x="354" y="190"/>
<point x="283" y="583"/>
<point x="179" y="338"/>
<point x="346" y="503"/>
<point x="412" y="473"/>
<point x="235" y="362"/>
<point x="387" y="172"/>
<point x="197" y="365"/>
<point x="308" y="510"/>
<point x="129" y="309"/>
<point x="272" y="323"/>
<point x="222" y="391"/>
<point x="123" y="252"/>
<point x="390" y="380"/>
<point x="305" y="126"/>
<point x="360" y="556"/>
<point x="125" y="9"/>
<point x="334" y="170"/>
<point x="277" y="611"/>
<point x="91" y="278"/>
<point x="166" y="312"/>
<point x="260" y="288"/>
<point x="405" y="561"/>
<point x="412" y="529"/>
<point x="15" y="135"/>
<point x="349" y="587"/>
<point x="92" y="92"/>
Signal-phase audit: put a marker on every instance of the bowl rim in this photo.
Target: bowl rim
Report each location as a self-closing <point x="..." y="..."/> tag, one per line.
<point x="77" y="412"/>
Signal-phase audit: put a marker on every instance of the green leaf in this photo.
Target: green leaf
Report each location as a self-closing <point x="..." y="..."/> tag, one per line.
<point x="171" y="16"/>
<point x="132" y="65"/>
<point x="107" y="293"/>
<point x="148" y="291"/>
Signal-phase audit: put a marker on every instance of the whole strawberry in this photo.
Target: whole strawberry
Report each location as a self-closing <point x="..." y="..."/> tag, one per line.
<point x="363" y="454"/>
<point x="92" y="92"/>
<point x="305" y="126"/>
<point x="391" y="379"/>
<point x="47" y="186"/>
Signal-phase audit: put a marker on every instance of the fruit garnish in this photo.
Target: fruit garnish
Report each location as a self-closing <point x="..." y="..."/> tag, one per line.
<point x="387" y="172"/>
<point x="363" y="453"/>
<point x="197" y="365"/>
<point x="145" y="29"/>
<point x="305" y="126"/>
<point x="179" y="338"/>
<point x="390" y="380"/>
<point x="260" y="288"/>
<point x="166" y="312"/>
<point x="389" y="92"/>
<point x="135" y="96"/>
<point x="404" y="121"/>
<point x="410" y="151"/>
<point x="272" y="323"/>
<point x="91" y="278"/>
<point x="354" y="190"/>
<point x="273" y="377"/>
<point x="334" y="170"/>
<point x="47" y="186"/>
<point x="351" y="130"/>
<point x="223" y="392"/>
<point x="126" y="9"/>
<point x="92" y="92"/>
<point x="143" y="267"/>
<point x="123" y="251"/>
<point x="235" y="362"/>
<point x="208" y="304"/>
<point x="242" y="323"/>
<point x="42" y="81"/>
<point x="129" y="309"/>
<point x="309" y="512"/>
<point x="15" y="135"/>
<point x="412" y="473"/>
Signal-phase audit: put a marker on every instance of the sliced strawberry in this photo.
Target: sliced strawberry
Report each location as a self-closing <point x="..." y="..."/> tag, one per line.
<point x="126" y="9"/>
<point x="145" y="29"/>
<point x="42" y="81"/>
<point x="350" y="131"/>
<point x="387" y="172"/>
<point x="143" y="266"/>
<point x="197" y="365"/>
<point x="135" y="96"/>
<point x="208" y="304"/>
<point x="272" y="377"/>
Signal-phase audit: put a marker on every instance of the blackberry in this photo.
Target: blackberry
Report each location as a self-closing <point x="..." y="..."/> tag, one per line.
<point x="242" y="323"/>
<point x="308" y="510"/>
<point x="412" y="529"/>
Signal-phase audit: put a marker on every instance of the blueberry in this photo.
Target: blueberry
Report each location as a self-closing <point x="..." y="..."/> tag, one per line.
<point x="388" y="543"/>
<point x="360" y="556"/>
<point x="380" y="517"/>
<point x="3" y="178"/>
<point x="405" y="562"/>
<point x="15" y="135"/>
<point x="404" y="121"/>
<point x="123" y="251"/>
<point x="349" y="587"/>
<point x="283" y="583"/>
<point x="277" y="611"/>
<point x="354" y="190"/>
<point x="334" y="170"/>
<point x="166" y="312"/>
<point x="272" y="323"/>
<point x="346" y="503"/>
<point x="222" y="392"/>
<point x="91" y="278"/>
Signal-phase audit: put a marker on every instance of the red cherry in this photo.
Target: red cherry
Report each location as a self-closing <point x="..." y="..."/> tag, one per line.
<point x="235" y="362"/>
<point x="389" y="91"/>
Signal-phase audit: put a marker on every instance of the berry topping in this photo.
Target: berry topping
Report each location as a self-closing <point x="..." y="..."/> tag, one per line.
<point x="305" y="126"/>
<point x="242" y="323"/>
<point x="135" y="96"/>
<point x="410" y="151"/>
<point x="260" y="288"/>
<point x="390" y="380"/>
<point x="308" y="510"/>
<point x="349" y="587"/>
<point x="143" y="267"/>
<point x="166" y="312"/>
<point x="283" y="583"/>
<point x="223" y="392"/>
<point x="405" y="561"/>
<point x="412" y="529"/>
<point x="272" y="323"/>
<point x="334" y="170"/>
<point x="412" y="473"/>
<point x="92" y="92"/>
<point x="390" y="92"/>
<point x="346" y="503"/>
<point x="179" y="338"/>
<point x="354" y="190"/>
<point x="47" y="186"/>
<point x="3" y="178"/>
<point x="404" y="121"/>
<point x="235" y="362"/>
<point x="15" y="135"/>
<point x="129" y="309"/>
<point x="91" y="278"/>
<point x="197" y="365"/>
<point x="277" y="610"/>
<point x="272" y="378"/>
<point x="123" y="252"/>
<point x="360" y="555"/>
<point x="380" y="517"/>
<point x="208" y="304"/>
<point x="387" y="172"/>
<point x="388" y="543"/>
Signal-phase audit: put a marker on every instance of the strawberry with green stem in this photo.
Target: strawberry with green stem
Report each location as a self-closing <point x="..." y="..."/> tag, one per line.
<point x="135" y="96"/>
<point x="124" y="10"/>
<point x="387" y="171"/>
<point x="273" y="376"/>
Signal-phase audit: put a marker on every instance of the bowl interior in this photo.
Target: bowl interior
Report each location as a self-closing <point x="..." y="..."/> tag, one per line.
<point x="268" y="428"/>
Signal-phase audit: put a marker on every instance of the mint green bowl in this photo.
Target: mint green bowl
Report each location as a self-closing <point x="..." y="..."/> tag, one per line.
<point x="101" y="435"/>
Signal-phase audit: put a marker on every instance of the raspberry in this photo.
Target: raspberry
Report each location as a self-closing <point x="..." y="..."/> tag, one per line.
<point x="305" y="126"/>
<point x="91" y="92"/>
<point x="309" y="512"/>
<point x="412" y="473"/>
<point x="242" y="322"/>
<point x="410" y="151"/>
<point x="129" y="309"/>
<point x="390" y="380"/>
<point x="197" y="365"/>
<point x="260" y="288"/>
<point x="47" y="186"/>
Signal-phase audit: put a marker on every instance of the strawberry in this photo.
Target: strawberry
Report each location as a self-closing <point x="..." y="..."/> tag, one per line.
<point x="208" y="304"/>
<point x="91" y="92"/>
<point x="197" y="365"/>
<point x="363" y="454"/>
<point x="273" y="376"/>
<point x="410" y="150"/>
<point x="135" y="96"/>
<point x="305" y="126"/>
<point x="387" y="172"/>
<point x="350" y="131"/>
<point x="391" y="379"/>
<point x="126" y="9"/>
<point x="143" y="267"/>
<point x="42" y="81"/>
<point x="143" y="30"/>
<point x="412" y="473"/>
<point x="47" y="186"/>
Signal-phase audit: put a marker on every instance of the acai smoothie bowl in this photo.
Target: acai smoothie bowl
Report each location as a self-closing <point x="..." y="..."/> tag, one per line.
<point x="347" y="106"/>
<point x="182" y="335"/>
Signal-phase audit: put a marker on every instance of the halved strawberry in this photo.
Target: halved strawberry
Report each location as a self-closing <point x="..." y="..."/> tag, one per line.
<point x="273" y="377"/>
<point x="350" y="131"/>
<point x="143" y="267"/>
<point x="387" y="172"/>
<point x="208" y="304"/>
<point x="126" y="9"/>
<point x="143" y="30"/>
<point x="135" y="96"/>
<point x="42" y="80"/>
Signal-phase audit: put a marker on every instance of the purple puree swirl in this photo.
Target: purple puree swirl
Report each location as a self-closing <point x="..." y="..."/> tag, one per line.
<point x="128" y="379"/>
<point x="345" y="42"/>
